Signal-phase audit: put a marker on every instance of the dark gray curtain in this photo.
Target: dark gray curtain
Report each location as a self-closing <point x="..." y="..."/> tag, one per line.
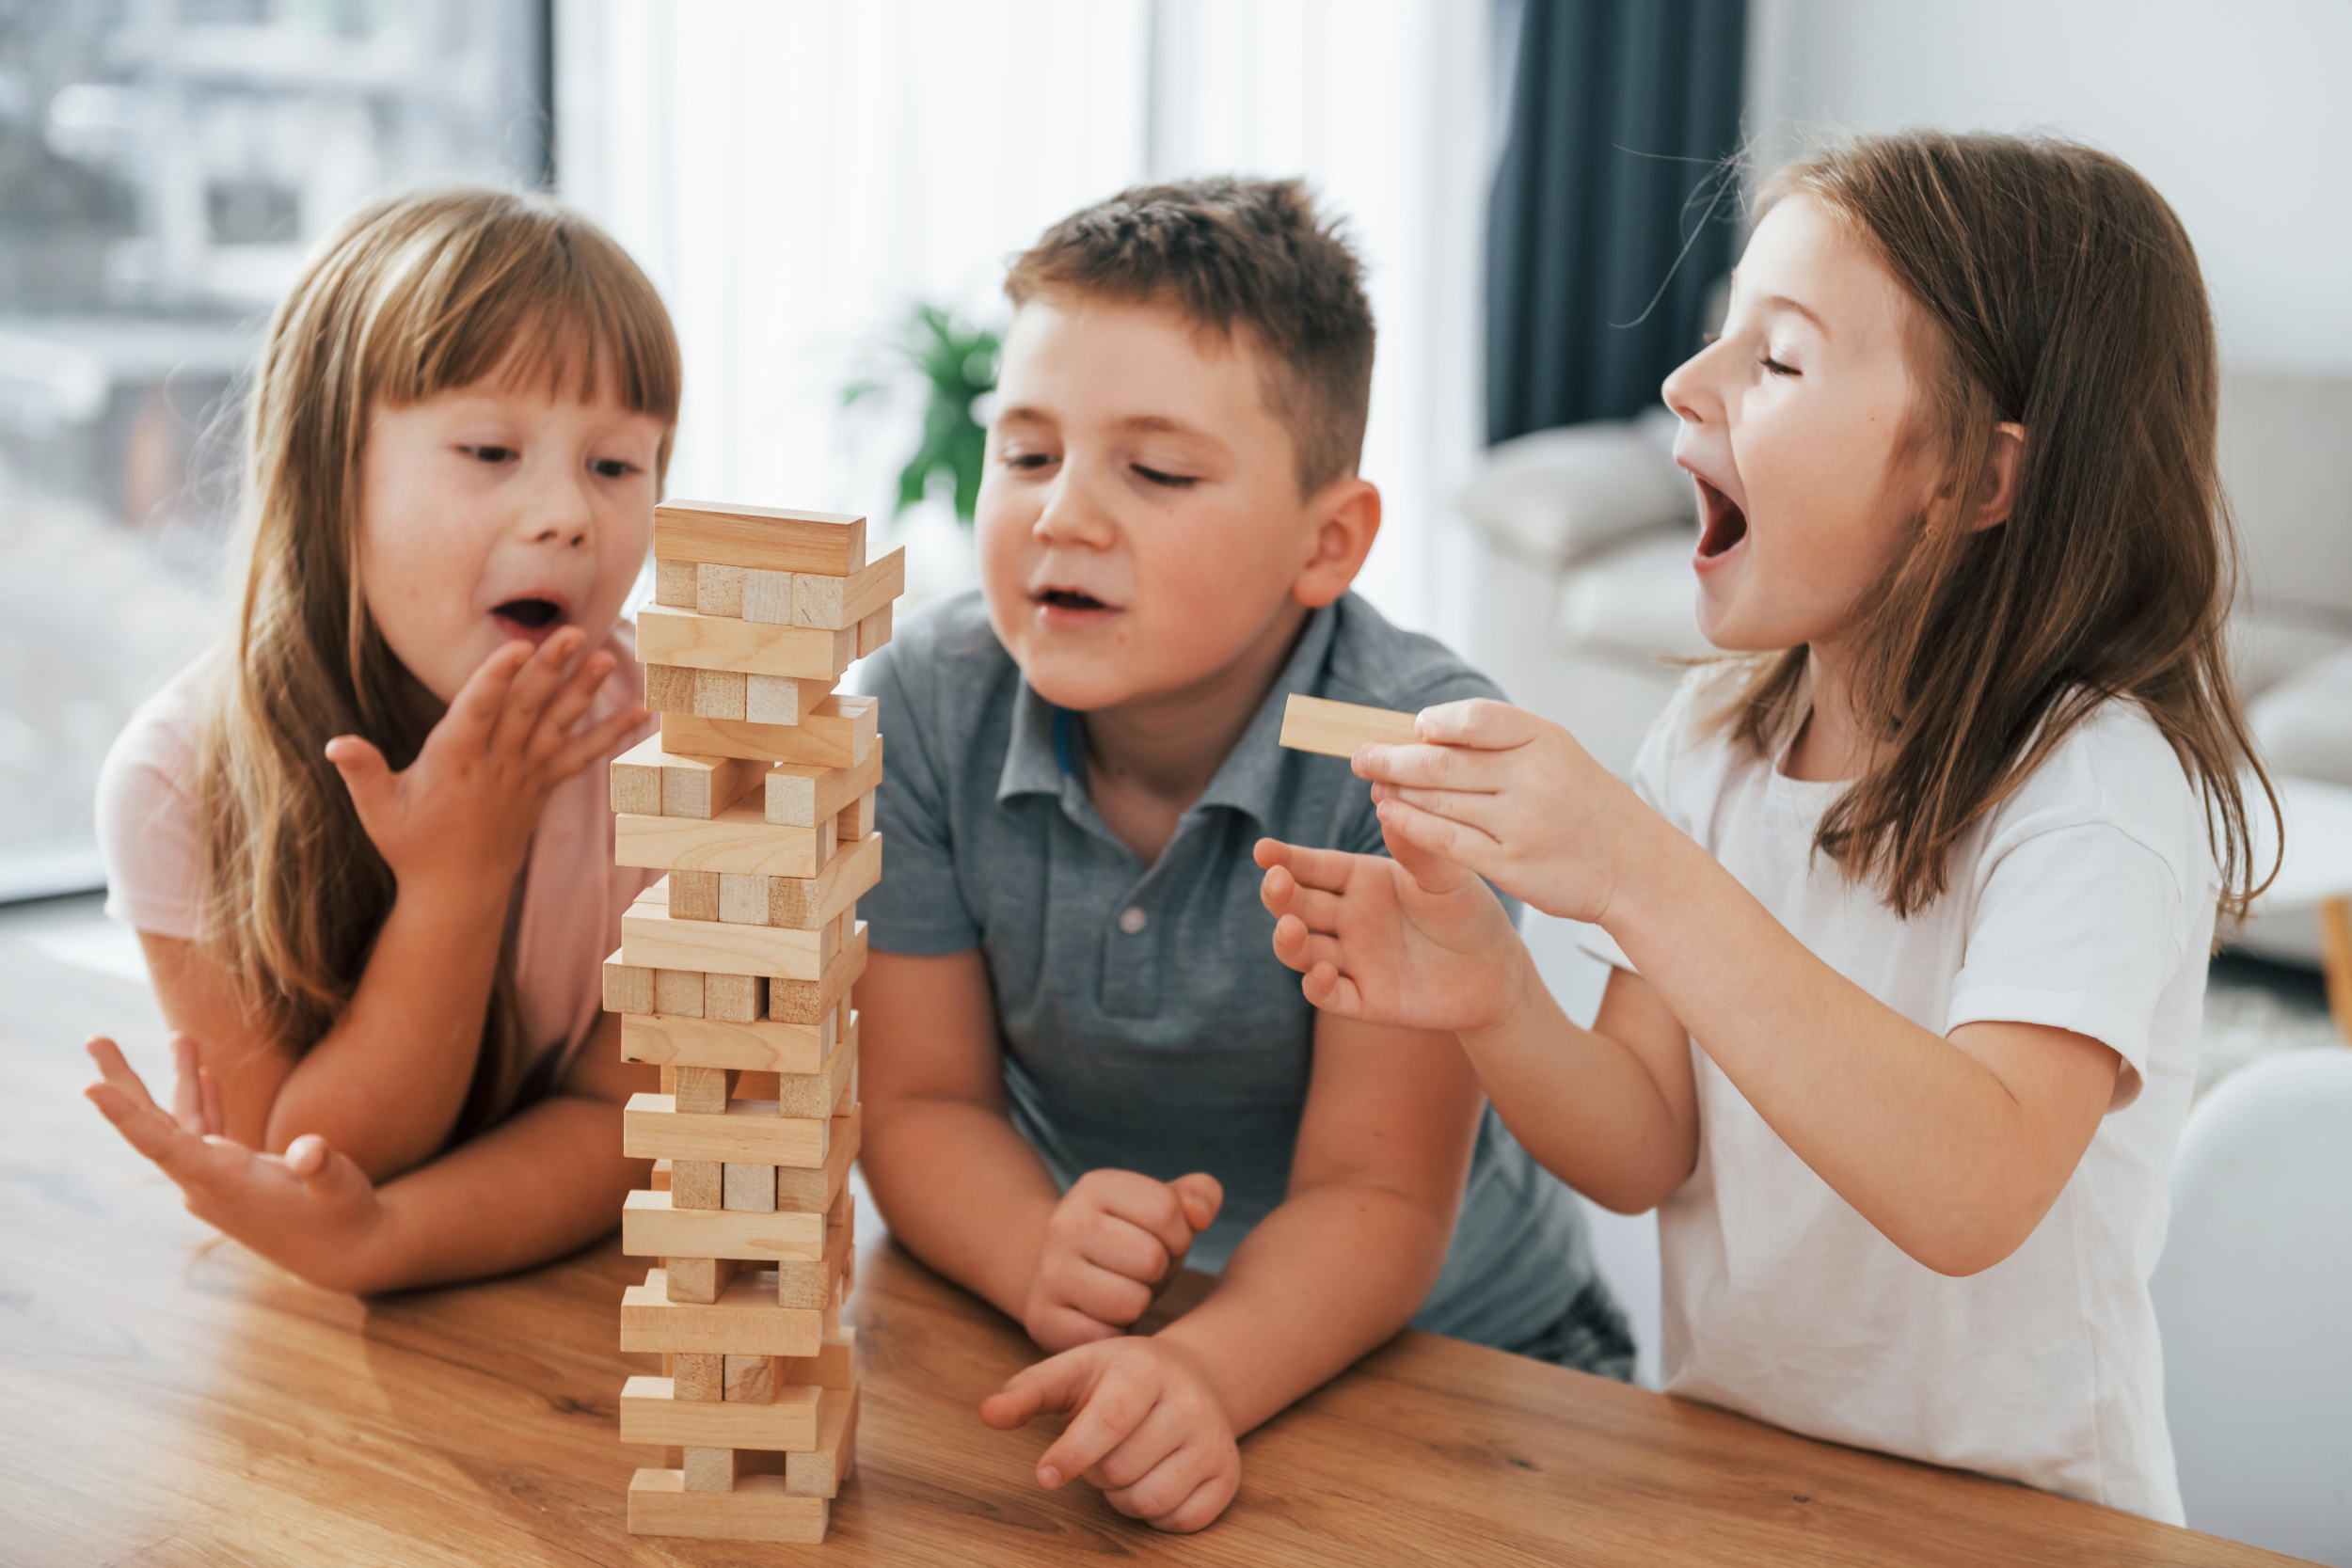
<point x="1614" y="212"/>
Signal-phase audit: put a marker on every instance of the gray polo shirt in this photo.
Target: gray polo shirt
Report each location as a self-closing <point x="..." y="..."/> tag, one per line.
<point x="1145" y="1021"/>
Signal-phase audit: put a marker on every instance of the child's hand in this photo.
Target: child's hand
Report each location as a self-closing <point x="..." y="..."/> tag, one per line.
<point x="1414" y="942"/>
<point x="310" y="1212"/>
<point x="1515" y="798"/>
<point x="1115" y="1242"/>
<point x="1145" y="1427"/>
<point x="465" y="810"/>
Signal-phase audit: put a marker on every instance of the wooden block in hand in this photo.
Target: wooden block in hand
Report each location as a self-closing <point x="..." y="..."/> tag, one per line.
<point x="651" y="1412"/>
<point x="873" y="633"/>
<point x="678" y="992"/>
<point x="804" y="903"/>
<point x="778" y="700"/>
<point x="856" y="821"/>
<point x="692" y="786"/>
<point x="696" y="1184"/>
<point x="818" y="1472"/>
<point x="801" y="1002"/>
<point x="802" y="794"/>
<point x="720" y="694"/>
<point x="680" y="637"/>
<point x="694" y="1280"/>
<point x="752" y="1378"/>
<point x="740" y="839"/>
<point x="760" y="1045"/>
<point x="696" y="1377"/>
<point x="744" y="1319"/>
<point x="1336" y="729"/>
<point x="718" y="589"/>
<point x="839" y="603"/>
<point x="747" y="1132"/>
<point x="706" y="1469"/>
<point x="650" y="1228"/>
<point x="750" y="1188"/>
<point x="767" y="538"/>
<point x="675" y="583"/>
<point x="628" y="987"/>
<point x="758" y="1509"/>
<point x="650" y="935"/>
<point x="689" y="895"/>
<point x="835" y="733"/>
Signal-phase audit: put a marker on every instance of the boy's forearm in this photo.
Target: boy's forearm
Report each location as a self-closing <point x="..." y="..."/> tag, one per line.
<point x="385" y="1085"/>
<point x="961" y="1187"/>
<point x="1327" y="1276"/>
<point x="533" y="1188"/>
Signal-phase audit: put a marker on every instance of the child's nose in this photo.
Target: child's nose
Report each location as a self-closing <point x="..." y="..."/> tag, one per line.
<point x="1684" y="390"/>
<point x="560" y="514"/>
<point x="1070" y="517"/>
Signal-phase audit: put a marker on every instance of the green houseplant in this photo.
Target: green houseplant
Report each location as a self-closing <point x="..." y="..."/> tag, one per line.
<point x="957" y="364"/>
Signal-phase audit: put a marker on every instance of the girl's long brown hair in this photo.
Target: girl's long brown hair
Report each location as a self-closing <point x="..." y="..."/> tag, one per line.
<point x="412" y="296"/>
<point x="2059" y="292"/>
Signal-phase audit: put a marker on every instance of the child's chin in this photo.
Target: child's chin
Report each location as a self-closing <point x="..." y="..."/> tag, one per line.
<point x="1080" y="683"/>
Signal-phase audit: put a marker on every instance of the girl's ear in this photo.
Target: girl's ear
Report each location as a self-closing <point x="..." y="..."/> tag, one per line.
<point x="1345" y="516"/>
<point x="2000" y="477"/>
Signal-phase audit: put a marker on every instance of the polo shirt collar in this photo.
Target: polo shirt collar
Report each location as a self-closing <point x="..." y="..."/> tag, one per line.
<point x="1045" y="745"/>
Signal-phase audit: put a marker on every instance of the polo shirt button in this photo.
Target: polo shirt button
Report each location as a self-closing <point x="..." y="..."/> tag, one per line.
<point x="1132" y="920"/>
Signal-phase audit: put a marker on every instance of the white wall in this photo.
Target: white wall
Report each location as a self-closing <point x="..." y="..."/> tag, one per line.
<point x="2240" y="113"/>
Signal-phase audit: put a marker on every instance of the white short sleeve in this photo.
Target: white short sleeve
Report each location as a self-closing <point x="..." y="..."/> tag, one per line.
<point x="147" y="827"/>
<point x="2079" y="929"/>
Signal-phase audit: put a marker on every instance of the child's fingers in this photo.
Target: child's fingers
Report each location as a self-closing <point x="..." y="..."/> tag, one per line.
<point x="1112" y="1409"/>
<point x="1127" y="1470"/>
<point x="187" y="1089"/>
<point x="535" y="687"/>
<point x="1300" y="947"/>
<point x="1318" y="910"/>
<point x="1327" y="988"/>
<point x="119" y="1073"/>
<point x="366" y="775"/>
<point x="1438" y="836"/>
<point x="216" y="1118"/>
<point x="579" y="751"/>
<point x="1430" y="766"/>
<point x="553" y="731"/>
<point x="1327" y="869"/>
<point x="1056" y="1383"/>
<point x="1202" y="1196"/>
<point x="1201" y="1506"/>
<point x="1478" y="722"/>
<point x="474" y="715"/>
<point x="1130" y="1252"/>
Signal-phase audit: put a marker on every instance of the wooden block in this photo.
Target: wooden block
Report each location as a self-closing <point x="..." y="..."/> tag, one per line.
<point x="811" y="1193"/>
<point x="680" y="637"/>
<point x="718" y="589"/>
<point x="706" y="1470"/>
<point x="801" y="794"/>
<point x="636" y="785"/>
<point x="650" y="1228"/>
<point x="818" y="1472"/>
<point x="661" y="1182"/>
<point x="743" y="1320"/>
<point x="773" y="539"/>
<point x="799" y="1002"/>
<point x="740" y="839"/>
<point x="677" y="992"/>
<point x="804" y="903"/>
<point x="627" y="987"/>
<point x="695" y="1279"/>
<point x="690" y="786"/>
<point x="835" y="733"/>
<point x="759" y="1509"/>
<point x="720" y="694"/>
<point x="759" y="1045"/>
<point x="697" y="1184"/>
<point x="839" y="603"/>
<point x="812" y="1283"/>
<point x="750" y="1188"/>
<point x="747" y="1132"/>
<point x="778" y="698"/>
<point x="873" y="633"/>
<point x="856" y="821"/>
<point x="705" y="1089"/>
<point x="1336" y="729"/>
<point x="814" y="1093"/>
<point x="734" y="998"/>
<point x="831" y="1317"/>
<point x="834" y="1365"/>
<point x="768" y="597"/>
<point x="752" y="1378"/>
<point x="675" y="583"/>
<point x="669" y="689"/>
<point x="697" y="1377"/>
<point x="691" y="896"/>
<point x="651" y="1412"/>
<point x="651" y="936"/>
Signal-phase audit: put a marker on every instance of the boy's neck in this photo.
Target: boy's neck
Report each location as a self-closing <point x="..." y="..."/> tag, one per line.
<point x="1148" y="758"/>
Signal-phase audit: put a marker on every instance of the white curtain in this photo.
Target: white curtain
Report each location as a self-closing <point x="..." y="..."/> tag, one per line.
<point x="795" y="174"/>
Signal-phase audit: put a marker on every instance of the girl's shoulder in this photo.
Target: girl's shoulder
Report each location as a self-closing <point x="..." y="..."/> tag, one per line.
<point x="1691" y="745"/>
<point x="146" y="807"/>
<point x="2117" y="768"/>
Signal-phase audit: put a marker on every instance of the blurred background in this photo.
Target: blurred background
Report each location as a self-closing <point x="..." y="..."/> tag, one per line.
<point x="826" y="193"/>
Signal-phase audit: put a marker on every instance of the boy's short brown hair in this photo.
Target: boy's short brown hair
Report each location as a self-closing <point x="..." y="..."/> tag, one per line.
<point x="1228" y="252"/>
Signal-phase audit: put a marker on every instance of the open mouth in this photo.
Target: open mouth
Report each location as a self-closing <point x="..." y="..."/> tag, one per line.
<point x="531" y="615"/>
<point x="1726" y="524"/>
<point x="1069" y="598"/>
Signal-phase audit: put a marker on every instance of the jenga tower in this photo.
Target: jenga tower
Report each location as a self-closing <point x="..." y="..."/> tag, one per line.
<point x="733" y="975"/>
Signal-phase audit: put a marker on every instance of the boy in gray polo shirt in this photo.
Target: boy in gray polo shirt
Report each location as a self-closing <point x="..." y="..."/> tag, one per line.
<point x="1081" y="1063"/>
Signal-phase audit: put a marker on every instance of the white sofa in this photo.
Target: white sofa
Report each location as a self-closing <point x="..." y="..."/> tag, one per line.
<point x="1595" y="527"/>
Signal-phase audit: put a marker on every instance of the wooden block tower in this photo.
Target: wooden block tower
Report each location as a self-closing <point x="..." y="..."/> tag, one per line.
<point x="734" y="974"/>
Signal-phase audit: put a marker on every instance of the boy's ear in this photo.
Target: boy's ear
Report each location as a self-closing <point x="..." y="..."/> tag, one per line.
<point x="1344" y="517"/>
<point x="2000" y="477"/>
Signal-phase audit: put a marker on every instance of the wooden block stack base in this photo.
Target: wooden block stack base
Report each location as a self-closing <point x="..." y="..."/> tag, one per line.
<point x="734" y="976"/>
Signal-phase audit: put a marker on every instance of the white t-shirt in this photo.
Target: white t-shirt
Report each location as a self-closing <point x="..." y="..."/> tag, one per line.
<point x="2085" y="901"/>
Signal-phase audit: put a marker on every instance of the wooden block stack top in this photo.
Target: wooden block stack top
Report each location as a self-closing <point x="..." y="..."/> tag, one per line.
<point x="734" y="974"/>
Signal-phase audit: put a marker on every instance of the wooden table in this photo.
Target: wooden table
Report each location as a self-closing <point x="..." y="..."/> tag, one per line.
<point x="169" y="1402"/>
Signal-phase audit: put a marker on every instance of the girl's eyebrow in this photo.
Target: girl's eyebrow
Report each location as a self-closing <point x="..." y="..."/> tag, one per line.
<point x="1782" y="302"/>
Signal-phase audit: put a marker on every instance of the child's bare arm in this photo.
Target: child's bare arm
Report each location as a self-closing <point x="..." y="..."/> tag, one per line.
<point x="550" y="1180"/>
<point x="385" y="1084"/>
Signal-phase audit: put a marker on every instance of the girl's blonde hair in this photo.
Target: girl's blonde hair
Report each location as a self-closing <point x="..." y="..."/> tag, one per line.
<point x="2058" y="292"/>
<point x="410" y="297"/>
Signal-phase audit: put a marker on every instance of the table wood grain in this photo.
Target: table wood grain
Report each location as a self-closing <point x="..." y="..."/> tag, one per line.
<point x="172" y="1399"/>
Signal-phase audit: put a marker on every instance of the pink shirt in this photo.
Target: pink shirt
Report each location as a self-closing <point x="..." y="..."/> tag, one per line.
<point x="572" y="894"/>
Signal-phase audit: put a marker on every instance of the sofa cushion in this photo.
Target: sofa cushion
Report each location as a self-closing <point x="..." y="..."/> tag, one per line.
<point x="1639" y="599"/>
<point x="1558" y="495"/>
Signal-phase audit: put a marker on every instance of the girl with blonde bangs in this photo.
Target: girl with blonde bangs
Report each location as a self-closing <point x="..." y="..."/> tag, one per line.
<point x="1908" y="903"/>
<point x="366" y="840"/>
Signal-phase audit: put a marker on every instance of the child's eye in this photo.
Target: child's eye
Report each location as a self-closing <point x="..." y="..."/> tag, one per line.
<point x="1028" y="460"/>
<point x="613" y="468"/>
<point x="1173" y="482"/>
<point x="491" y="455"/>
<point x="1776" y="368"/>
